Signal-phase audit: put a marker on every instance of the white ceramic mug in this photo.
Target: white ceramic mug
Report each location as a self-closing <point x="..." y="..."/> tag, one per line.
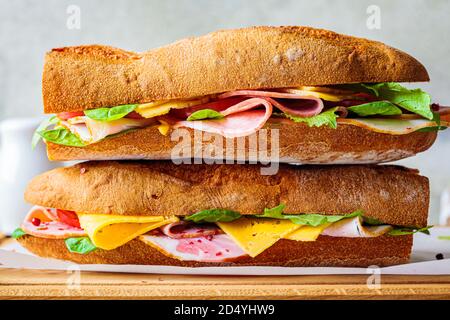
<point x="18" y="165"/>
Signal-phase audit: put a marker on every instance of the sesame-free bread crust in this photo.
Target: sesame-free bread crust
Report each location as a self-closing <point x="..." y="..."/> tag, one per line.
<point x="392" y="194"/>
<point x="92" y="76"/>
<point x="297" y="143"/>
<point x="325" y="251"/>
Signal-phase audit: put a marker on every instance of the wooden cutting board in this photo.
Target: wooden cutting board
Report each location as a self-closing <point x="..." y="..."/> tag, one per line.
<point x="25" y="284"/>
<point x="34" y="284"/>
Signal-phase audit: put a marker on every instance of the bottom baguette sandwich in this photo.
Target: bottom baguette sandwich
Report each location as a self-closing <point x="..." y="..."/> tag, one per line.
<point x="160" y="213"/>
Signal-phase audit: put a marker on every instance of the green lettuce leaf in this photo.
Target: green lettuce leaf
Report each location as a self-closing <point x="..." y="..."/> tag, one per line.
<point x="18" y="233"/>
<point x="62" y="136"/>
<point x="213" y="215"/>
<point x="80" y="245"/>
<point x="312" y="219"/>
<point x="205" y="114"/>
<point x="402" y="231"/>
<point x="384" y="108"/>
<point x="110" y="114"/>
<point x="416" y="100"/>
<point x="42" y="127"/>
<point x="326" y="118"/>
<point x="438" y="127"/>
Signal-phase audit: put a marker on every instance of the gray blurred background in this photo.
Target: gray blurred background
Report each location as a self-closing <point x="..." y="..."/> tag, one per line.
<point x="30" y="28"/>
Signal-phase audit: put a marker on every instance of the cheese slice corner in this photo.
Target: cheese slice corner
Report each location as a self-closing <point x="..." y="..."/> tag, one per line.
<point x="254" y="235"/>
<point x="307" y="233"/>
<point x="111" y="231"/>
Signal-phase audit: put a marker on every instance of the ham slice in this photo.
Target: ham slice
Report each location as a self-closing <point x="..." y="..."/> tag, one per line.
<point x="185" y="229"/>
<point x="240" y="119"/>
<point x="91" y="131"/>
<point x="217" y="248"/>
<point x="242" y="114"/>
<point x="353" y="228"/>
<point x="48" y="227"/>
<point x="291" y="103"/>
<point x="218" y="105"/>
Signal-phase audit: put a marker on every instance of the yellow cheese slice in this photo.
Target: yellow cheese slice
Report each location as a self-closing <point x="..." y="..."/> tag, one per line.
<point x="154" y="109"/>
<point x="254" y="235"/>
<point x="163" y="128"/>
<point x="307" y="233"/>
<point x="111" y="231"/>
<point x="328" y="94"/>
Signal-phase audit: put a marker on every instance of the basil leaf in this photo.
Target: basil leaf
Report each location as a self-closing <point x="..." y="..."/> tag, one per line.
<point x="214" y="215"/>
<point x="62" y="136"/>
<point x="326" y="118"/>
<point x="432" y="129"/>
<point x="416" y="100"/>
<point x="313" y="219"/>
<point x="18" y="233"/>
<point x="42" y="127"/>
<point x="205" y="114"/>
<point x="401" y="231"/>
<point x="80" y="245"/>
<point x="372" y="221"/>
<point x="110" y="114"/>
<point x="384" y="108"/>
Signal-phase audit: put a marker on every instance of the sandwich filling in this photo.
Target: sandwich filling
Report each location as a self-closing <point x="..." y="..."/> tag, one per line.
<point x="383" y="107"/>
<point x="216" y="235"/>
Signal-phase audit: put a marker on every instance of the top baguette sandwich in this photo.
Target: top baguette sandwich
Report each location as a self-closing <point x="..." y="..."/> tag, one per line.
<point x="333" y="99"/>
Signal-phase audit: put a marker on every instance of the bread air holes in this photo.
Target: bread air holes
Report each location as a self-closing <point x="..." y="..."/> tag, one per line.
<point x="150" y="196"/>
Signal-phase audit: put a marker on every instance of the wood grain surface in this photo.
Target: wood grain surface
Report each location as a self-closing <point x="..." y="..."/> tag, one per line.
<point x="36" y="284"/>
<point x="25" y="284"/>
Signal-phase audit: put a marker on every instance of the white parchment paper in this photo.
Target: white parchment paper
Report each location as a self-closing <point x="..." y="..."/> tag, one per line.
<point x="423" y="262"/>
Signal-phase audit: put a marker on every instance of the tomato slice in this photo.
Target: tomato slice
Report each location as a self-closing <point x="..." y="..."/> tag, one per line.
<point x="69" y="115"/>
<point x="68" y="217"/>
<point x="366" y="96"/>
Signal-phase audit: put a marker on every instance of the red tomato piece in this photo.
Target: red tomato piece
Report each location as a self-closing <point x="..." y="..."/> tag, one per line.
<point x="134" y="115"/>
<point x="68" y="115"/>
<point x="68" y="217"/>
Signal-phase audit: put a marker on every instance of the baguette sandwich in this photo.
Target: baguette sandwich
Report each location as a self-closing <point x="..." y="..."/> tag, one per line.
<point x="159" y="213"/>
<point x="332" y="99"/>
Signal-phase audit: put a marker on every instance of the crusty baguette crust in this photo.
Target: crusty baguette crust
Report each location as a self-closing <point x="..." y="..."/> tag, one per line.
<point x="325" y="251"/>
<point x="392" y="194"/>
<point x="297" y="143"/>
<point x="84" y="77"/>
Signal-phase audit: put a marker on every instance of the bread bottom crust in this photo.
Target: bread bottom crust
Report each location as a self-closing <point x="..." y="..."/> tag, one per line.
<point x="325" y="251"/>
<point x="296" y="143"/>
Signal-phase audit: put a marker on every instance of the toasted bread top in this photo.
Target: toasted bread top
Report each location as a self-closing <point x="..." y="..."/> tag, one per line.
<point x="86" y="77"/>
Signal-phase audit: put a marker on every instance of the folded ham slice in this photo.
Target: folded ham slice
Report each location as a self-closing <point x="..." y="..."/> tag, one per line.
<point x="47" y="226"/>
<point x="291" y="103"/>
<point x="353" y="228"/>
<point x="240" y="119"/>
<point x="91" y="131"/>
<point x="218" y="105"/>
<point x="185" y="229"/>
<point x="242" y="114"/>
<point x="217" y="248"/>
